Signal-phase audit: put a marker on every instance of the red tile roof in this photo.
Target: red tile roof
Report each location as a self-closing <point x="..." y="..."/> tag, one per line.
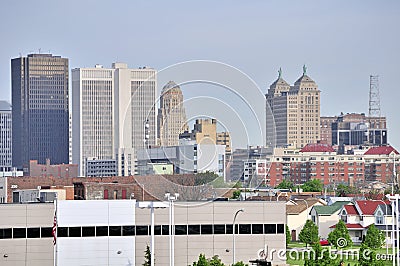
<point x="351" y="209"/>
<point x="383" y="150"/>
<point x="317" y="147"/>
<point x="349" y="226"/>
<point x="368" y="207"/>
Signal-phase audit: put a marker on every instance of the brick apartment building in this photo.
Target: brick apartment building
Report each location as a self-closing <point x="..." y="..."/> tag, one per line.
<point x="321" y="161"/>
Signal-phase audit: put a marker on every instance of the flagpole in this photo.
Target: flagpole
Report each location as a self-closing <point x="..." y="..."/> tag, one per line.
<point x="55" y="224"/>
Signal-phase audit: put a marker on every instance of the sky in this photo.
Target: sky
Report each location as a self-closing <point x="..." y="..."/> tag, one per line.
<point x="341" y="42"/>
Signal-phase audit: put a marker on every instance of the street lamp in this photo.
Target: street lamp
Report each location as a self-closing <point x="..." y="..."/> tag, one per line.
<point x="171" y="199"/>
<point x="151" y="205"/>
<point x="234" y="230"/>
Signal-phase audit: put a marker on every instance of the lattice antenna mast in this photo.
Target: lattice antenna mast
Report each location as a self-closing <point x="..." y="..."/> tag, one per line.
<point x="374" y="98"/>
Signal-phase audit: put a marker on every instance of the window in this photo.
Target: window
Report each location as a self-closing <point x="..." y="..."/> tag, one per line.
<point x="34" y="232"/>
<point x="128" y="230"/>
<point x="19" y="232"/>
<point x="379" y="217"/>
<point x="142" y="230"/>
<point x="47" y="232"/>
<point x="206" y="229"/>
<point x="269" y="228"/>
<point x="180" y="229"/>
<point x="157" y="230"/>
<point x="257" y="229"/>
<point x="165" y="229"/>
<point x="194" y="229"/>
<point x="62" y="231"/>
<point x="5" y="233"/>
<point x="101" y="231"/>
<point x="229" y="229"/>
<point x="343" y="217"/>
<point x="280" y="228"/>
<point x="75" y="232"/>
<point x="115" y="231"/>
<point x="88" y="231"/>
<point x="244" y="229"/>
<point x="219" y="229"/>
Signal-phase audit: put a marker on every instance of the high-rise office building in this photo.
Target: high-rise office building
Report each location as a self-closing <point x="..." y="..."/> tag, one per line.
<point x="295" y="111"/>
<point x="171" y="115"/>
<point x="5" y="136"/>
<point x="113" y="114"/>
<point x="40" y="109"/>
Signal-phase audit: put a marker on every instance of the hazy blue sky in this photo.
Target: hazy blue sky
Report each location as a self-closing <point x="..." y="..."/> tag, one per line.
<point x="341" y="42"/>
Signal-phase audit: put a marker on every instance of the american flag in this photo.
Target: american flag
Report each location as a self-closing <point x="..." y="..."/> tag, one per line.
<point x="54" y="230"/>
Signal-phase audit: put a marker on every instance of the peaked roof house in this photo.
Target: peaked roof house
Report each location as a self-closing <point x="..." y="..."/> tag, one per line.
<point x="362" y="214"/>
<point x="297" y="213"/>
<point x="326" y="216"/>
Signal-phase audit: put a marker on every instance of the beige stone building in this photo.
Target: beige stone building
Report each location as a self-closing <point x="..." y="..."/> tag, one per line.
<point x="205" y="132"/>
<point x="171" y="115"/>
<point x="295" y="111"/>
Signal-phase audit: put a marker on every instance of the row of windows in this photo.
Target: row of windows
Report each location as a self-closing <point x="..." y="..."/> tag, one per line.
<point x="35" y="232"/>
<point x="140" y="230"/>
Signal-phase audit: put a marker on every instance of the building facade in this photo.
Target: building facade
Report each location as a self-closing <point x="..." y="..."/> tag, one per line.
<point x="205" y="132"/>
<point x="171" y="115"/>
<point x="113" y="114"/>
<point x="353" y="129"/>
<point x="56" y="170"/>
<point x="186" y="158"/>
<point x="5" y="136"/>
<point x="40" y="101"/>
<point x="117" y="232"/>
<point x="357" y="129"/>
<point x="295" y="111"/>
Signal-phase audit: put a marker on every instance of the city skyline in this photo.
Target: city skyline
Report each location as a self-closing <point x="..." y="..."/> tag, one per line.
<point x="341" y="43"/>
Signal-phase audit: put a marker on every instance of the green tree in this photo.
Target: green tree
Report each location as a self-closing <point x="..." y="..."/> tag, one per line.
<point x="312" y="185"/>
<point x="343" y="190"/>
<point x="236" y="194"/>
<point x="288" y="236"/>
<point x="240" y="263"/>
<point x="309" y="233"/>
<point x="340" y="236"/>
<point x="205" y="178"/>
<point x="374" y="239"/>
<point x="285" y="184"/>
<point x="202" y="261"/>
<point x="147" y="256"/>
<point x="215" y="261"/>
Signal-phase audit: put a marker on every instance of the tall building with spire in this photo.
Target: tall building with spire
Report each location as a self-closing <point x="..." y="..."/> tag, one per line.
<point x="171" y="115"/>
<point x="295" y="112"/>
<point x="40" y="109"/>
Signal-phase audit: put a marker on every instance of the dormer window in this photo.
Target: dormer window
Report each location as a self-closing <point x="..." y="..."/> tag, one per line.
<point x="343" y="216"/>
<point x="379" y="217"/>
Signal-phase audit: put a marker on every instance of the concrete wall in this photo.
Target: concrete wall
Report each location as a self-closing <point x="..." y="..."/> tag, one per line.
<point x="26" y="251"/>
<point x="129" y="250"/>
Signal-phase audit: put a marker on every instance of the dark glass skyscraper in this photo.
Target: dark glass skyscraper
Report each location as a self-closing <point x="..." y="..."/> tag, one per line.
<point x="40" y="109"/>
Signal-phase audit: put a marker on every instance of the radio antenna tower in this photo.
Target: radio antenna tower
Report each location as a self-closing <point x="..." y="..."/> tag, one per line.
<point x="374" y="98"/>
